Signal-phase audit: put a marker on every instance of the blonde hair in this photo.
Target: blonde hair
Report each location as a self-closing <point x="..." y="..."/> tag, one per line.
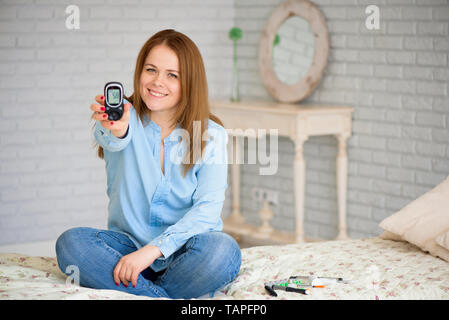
<point x="194" y="102"/>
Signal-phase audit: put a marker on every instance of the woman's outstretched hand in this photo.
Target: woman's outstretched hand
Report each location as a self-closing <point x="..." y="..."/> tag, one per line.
<point x="119" y="127"/>
<point x="130" y="266"/>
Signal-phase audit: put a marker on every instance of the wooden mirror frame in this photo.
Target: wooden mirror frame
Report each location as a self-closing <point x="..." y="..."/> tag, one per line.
<point x="296" y="92"/>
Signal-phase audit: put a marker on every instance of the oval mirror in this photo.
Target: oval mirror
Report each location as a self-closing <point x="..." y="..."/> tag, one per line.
<point x="293" y="50"/>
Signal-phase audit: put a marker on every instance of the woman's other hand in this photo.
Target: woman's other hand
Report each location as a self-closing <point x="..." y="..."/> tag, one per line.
<point x="130" y="266"/>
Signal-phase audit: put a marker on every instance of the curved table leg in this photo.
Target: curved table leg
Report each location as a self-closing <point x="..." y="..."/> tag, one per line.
<point x="342" y="181"/>
<point x="299" y="167"/>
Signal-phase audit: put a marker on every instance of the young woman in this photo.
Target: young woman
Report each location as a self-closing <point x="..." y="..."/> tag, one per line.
<point x="166" y="171"/>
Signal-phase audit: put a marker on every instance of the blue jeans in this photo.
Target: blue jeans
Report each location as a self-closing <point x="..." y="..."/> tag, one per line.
<point x="205" y="263"/>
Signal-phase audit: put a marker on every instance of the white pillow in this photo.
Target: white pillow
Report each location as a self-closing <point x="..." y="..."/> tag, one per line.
<point x="422" y="221"/>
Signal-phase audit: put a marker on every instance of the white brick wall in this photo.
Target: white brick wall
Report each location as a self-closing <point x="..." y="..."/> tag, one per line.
<point x="50" y="177"/>
<point x="395" y="78"/>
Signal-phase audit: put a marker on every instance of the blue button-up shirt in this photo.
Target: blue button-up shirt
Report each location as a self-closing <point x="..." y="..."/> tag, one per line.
<point x="162" y="209"/>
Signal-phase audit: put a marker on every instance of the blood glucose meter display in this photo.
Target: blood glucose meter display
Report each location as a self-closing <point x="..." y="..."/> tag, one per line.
<point x="114" y="96"/>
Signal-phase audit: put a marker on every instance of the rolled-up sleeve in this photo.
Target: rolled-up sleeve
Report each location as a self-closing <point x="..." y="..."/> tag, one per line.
<point x="208" y="198"/>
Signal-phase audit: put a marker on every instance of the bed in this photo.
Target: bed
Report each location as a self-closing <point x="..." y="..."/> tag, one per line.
<point x="375" y="269"/>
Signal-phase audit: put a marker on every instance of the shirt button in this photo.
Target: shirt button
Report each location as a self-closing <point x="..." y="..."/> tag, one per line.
<point x="160" y="242"/>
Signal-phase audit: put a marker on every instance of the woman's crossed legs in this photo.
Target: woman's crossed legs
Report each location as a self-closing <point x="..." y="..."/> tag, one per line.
<point x="205" y="263"/>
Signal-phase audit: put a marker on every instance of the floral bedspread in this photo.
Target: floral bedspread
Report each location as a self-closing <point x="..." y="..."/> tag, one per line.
<point x="374" y="269"/>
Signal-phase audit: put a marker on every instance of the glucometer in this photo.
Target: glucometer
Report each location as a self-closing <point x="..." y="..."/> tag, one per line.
<point x="113" y="93"/>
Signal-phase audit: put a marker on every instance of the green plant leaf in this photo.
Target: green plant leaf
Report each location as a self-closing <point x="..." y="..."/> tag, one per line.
<point x="235" y="33"/>
<point x="276" y="41"/>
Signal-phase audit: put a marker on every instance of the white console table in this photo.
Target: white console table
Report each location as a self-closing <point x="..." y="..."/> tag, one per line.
<point x="298" y="122"/>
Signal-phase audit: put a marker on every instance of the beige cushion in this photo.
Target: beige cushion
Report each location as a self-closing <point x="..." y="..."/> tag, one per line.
<point x="422" y="221"/>
<point x="387" y="235"/>
<point x="443" y="240"/>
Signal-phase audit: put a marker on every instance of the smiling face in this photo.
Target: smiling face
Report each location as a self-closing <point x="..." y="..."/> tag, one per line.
<point x="160" y="84"/>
